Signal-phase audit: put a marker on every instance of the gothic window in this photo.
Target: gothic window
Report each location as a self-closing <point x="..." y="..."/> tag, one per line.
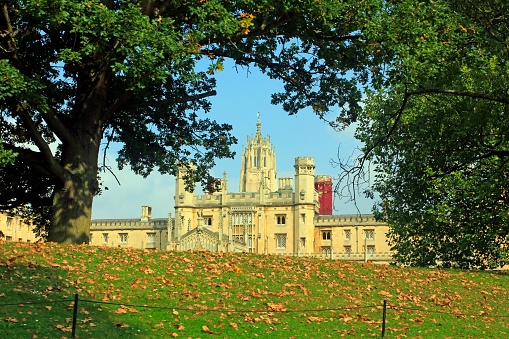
<point x="347" y="234"/>
<point x="326" y="235"/>
<point x="371" y="250"/>
<point x="105" y="238"/>
<point x="370" y="234"/>
<point x="207" y="221"/>
<point x="9" y="223"/>
<point x="151" y="237"/>
<point x="281" y="240"/>
<point x="281" y="219"/>
<point x="123" y="238"/>
<point x="348" y="249"/>
<point x="325" y="250"/>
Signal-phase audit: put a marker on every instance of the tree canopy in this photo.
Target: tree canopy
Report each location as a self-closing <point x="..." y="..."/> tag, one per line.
<point x="436" y="132"/>
<point x="75" y="74"/>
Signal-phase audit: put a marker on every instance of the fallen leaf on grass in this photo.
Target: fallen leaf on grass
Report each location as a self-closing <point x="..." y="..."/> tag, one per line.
<point x="64" y="328"/>
<point x="276" y="307"/>
<point x="120" y="325"/>
<point x="417" y="320"/>
<point x="206" y="329"/>
<point x="11" y="320"/>
<point x="385" y="294"/>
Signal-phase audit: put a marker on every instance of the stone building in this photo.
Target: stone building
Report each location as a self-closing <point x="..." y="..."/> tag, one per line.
<point x="269" y="215"/>
<point x="14" y="228"/>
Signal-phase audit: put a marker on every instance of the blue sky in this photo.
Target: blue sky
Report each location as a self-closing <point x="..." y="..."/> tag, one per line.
<point x="240" y="96"/>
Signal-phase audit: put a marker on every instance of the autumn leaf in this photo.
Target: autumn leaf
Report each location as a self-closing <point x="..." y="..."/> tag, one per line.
<point x="276" y="307"/>
<point x="206" y="329"/>
<point x="385" y="294"/>
<point x="120" y="325"/>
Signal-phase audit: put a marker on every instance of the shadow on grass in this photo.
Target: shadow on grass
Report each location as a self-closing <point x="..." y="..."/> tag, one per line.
<point x="39" y="300"/>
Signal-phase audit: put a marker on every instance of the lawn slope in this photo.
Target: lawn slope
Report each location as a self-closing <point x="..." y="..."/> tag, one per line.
<point x="149" y="294"/>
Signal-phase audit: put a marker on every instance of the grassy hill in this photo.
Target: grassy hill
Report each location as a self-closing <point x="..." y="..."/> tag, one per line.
<point x="131" y="293"/>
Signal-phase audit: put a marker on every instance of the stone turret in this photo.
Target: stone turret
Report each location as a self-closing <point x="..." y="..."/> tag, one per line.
<point x="304" y="180"/>
<point x="305" y="204"/>
<point x="258" y="166"/>
<point x="182" y="196"/>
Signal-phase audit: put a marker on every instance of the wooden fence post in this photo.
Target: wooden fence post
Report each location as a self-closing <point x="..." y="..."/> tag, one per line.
<point x="75" y="315"/>
<point x="383" y="317"/>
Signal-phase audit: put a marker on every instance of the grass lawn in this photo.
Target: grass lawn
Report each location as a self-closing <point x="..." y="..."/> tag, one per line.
<point x="127" y="293"/>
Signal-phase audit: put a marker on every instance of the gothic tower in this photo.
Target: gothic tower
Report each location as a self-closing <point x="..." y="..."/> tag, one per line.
<point x="258" y="169"/>
<point x="305" y="202"/>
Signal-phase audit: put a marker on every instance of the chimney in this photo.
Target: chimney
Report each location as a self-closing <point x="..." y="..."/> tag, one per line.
<point x="146" y="213"/>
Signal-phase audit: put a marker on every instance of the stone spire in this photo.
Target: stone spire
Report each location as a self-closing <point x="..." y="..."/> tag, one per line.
<point x="258" y="166"/>
<point x="258" y="127"/>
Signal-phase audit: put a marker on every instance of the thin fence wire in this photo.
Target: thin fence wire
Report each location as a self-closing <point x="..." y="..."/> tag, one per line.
<point x="444" y="312"/>
<point x="229" y="310"/>
<point x="385" y="306"/>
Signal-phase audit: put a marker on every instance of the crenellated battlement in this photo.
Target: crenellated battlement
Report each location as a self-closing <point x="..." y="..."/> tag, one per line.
<point x="347" y="219"/>
<point x="114" y="224"/>
<point x="323" y="178"/>
<point x="304" y="161"/>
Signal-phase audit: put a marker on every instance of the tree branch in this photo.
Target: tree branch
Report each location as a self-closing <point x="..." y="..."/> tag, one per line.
<point x="459" y="93"/>
<point x="41" y="144"/>
<point x="57" y="126"/>
<point x="9" y="34"/>
<point x="35" y="159"/>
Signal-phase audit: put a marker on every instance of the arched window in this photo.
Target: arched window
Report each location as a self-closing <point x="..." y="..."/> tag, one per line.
<point x="325" y="250"/>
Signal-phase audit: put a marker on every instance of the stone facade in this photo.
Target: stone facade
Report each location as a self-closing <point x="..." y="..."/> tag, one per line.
<point x="14" y="228"/>
<point x="268" y="216"/>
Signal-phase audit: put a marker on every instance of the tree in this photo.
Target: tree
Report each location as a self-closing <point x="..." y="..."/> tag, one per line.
<point x="77" y="73"/>
<point x="435" y="130"/>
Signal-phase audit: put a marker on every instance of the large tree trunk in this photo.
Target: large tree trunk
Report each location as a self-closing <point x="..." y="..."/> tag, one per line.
<point x="73" y="196"/>
<point x="72" y="199"/>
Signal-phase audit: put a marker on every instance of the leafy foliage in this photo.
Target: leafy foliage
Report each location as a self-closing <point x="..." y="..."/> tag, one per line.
<point x="437" y="135"/>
